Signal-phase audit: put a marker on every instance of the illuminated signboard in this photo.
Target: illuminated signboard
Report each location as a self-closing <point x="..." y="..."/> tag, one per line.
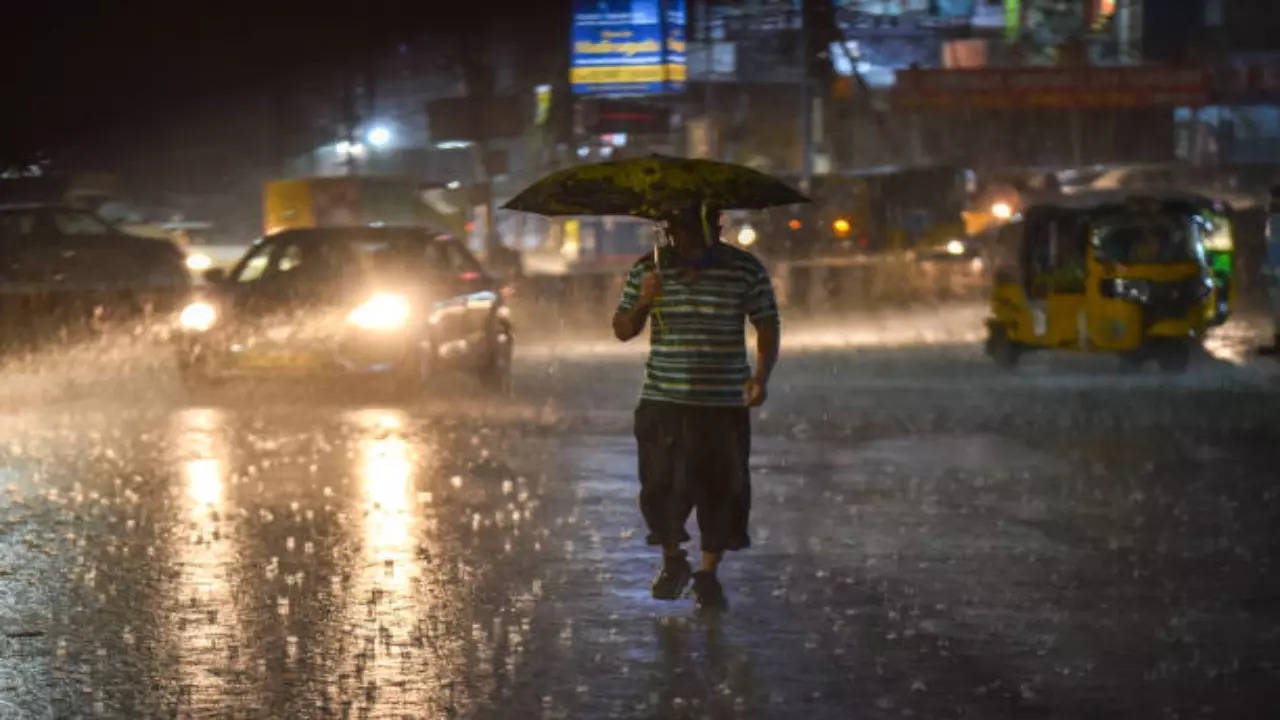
<point x="628" y="47"/>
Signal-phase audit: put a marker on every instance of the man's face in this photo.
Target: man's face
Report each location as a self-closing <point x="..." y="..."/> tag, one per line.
<point x="689" y="233"/>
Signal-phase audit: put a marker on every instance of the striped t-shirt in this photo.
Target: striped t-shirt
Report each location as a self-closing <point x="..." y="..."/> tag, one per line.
<point x="697" y="343"/>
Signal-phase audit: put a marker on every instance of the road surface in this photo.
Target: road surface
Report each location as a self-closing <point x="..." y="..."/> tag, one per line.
<point x="933" y="538"/>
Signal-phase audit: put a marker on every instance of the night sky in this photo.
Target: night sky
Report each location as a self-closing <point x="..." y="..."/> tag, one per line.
<point x="81" y="72"/>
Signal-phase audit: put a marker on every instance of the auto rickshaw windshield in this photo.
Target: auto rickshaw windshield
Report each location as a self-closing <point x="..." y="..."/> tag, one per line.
<point x="1162" y="241"/>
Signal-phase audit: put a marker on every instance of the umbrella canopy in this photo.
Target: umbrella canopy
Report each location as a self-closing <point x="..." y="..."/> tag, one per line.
<point x="655" y="187"/>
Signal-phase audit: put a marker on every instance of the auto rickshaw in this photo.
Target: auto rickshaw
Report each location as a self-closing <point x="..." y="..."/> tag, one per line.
<point x="1106" y="273"/>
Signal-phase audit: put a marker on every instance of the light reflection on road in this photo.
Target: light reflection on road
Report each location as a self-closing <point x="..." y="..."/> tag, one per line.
<point x="389" y="579"/>
<point x="205" y="625"/>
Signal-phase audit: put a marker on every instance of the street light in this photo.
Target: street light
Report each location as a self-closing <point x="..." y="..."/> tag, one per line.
<point x="378" y="136"/>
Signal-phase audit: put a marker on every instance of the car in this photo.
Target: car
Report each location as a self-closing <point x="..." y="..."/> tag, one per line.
<point x="62" y="266"/>
<point x="390" y="302"/>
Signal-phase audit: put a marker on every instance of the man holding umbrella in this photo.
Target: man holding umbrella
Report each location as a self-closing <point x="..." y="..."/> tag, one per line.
<point x="692" y="427"/>
<point x="692" y="423"/>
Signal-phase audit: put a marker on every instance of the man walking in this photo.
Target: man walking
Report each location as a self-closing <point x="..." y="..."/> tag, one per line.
<point x="692" y="426"/>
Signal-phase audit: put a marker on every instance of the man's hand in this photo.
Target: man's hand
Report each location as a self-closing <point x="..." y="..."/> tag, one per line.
<point x="768" y="340"/>
<point x="629" y="323"/>
<point x="755" y="392"/>
<point x="650" y="288"/>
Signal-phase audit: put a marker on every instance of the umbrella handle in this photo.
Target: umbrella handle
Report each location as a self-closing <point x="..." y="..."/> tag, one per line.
<point x="706" y="224"/>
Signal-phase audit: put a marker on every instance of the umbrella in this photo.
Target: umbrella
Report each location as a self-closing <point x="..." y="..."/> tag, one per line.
<point x="655" y="187"/>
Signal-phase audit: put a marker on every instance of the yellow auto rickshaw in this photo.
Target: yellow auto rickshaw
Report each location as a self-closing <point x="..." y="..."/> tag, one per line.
<point x="1111" y="273"/>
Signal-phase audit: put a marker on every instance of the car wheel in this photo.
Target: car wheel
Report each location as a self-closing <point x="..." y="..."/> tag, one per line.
<point x="495" y="370"/>
<point x="411" y="377"/>
<point x="194" y="370"/>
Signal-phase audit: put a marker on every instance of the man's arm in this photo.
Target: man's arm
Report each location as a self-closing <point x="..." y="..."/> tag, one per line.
<point x="628" y="323"/>
<point x="762" y="309"/>
<point x="634" y="309"/>
<point x="768" y="343"/>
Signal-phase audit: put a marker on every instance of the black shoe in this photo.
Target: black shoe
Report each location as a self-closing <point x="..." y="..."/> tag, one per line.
<point x="708" y="592"/>
<point x="671" y="582"/>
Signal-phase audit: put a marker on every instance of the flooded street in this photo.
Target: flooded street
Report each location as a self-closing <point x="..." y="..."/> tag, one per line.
<point x="932" y="537"/>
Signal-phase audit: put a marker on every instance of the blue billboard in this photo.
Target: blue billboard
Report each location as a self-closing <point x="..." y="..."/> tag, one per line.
<point x="628" y="47"/>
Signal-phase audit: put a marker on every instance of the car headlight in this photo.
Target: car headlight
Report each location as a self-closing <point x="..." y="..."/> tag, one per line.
<point x="199" y="262"/>
<point x="1138" y="291"/>
<point x="955" y="247"/>
<point x="198" y="316"/>
<point x="1001" y="210"/>
<point x="383" y="311"/>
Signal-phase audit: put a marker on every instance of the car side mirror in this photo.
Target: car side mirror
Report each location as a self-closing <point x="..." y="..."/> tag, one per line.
<point x="215" y="276"/>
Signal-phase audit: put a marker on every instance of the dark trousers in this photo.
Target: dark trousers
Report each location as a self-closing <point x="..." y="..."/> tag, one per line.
<point x="694" y="457"/>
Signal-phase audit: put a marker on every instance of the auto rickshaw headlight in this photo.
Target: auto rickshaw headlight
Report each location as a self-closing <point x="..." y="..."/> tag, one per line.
<point x="1138" y="291"/>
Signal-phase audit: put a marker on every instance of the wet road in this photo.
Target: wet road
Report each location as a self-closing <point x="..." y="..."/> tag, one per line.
<point x="933" y="538"/>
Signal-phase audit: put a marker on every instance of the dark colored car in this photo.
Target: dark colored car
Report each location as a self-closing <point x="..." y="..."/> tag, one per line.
<point x="61" y="266"/>
<point x="400" y="303"/>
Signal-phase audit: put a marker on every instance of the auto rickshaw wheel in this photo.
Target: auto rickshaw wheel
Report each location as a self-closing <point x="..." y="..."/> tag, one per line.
<point x="1174" y="357"/>
<point x="1004" y="351"/>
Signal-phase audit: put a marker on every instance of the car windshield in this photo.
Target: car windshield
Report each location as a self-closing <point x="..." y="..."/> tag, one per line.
<point x="1158" y="241"/>
<point x="71" y="222"/>
<point x="381" y="252"/>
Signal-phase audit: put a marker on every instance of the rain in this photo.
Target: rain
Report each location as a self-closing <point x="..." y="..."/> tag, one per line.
<point x="1013" y="461"/>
